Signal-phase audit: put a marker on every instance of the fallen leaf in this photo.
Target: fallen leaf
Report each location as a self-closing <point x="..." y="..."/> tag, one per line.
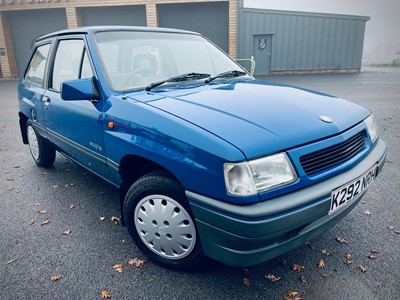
<point x="363" y="202"/>
<point x="246" y="281"/>
<point x="55" y="186"/>
<point x="342" y="240"/>
<point x="374" y="251"/>
<point x="347" y="255"/>
<point x="373" y="256"/>
<point x="105" y="294"/>
<point x="56" y="277"/>
<point x="349" y="262"/>
<point x="72" y="206"/>
<point x="361" y="268"/>
<point x="45" y="222"/>
<point x="31" y="222"/>
<point x="136" y="262"/>
<point x="326" y="252"/>
<point x="118" y="267"/>
<point x="102" y="218"/>
<point x="41" y="212"/>
<point x="297" y="267"/>
<point x="397" y="231"/>
<point x="303" y="279"/>
<point x="292" y="294"/>
<point x="115" y="219"/>
<point x="321" y="264"/>
<point x="122" y="241"/>
<point x="272" y="278"/>
<point x="66" y="232"/>
<point x="10" y="189"/>
<point x="367" y="212"/>
<point x="391" y="227"/>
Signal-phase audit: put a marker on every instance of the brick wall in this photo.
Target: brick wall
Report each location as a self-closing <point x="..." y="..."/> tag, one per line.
<point x="7" y="61"/>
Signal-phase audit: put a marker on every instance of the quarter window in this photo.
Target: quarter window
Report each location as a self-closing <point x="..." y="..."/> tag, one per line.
<point x="71" y="63"/>
<point x="37" y="65"/>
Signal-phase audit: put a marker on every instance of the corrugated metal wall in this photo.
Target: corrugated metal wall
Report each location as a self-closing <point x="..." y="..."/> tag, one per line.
<point x="304" y="41"/>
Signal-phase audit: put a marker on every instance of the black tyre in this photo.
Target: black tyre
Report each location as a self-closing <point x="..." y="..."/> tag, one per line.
<point x="160" y="221"/>
<point x="43" y="154"/>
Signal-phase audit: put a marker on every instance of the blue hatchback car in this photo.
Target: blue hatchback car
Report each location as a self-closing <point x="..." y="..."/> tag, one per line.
<point x="208" y="160"/>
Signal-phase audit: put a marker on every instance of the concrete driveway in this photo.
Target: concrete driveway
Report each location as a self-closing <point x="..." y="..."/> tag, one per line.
<point x="81" y="247"/>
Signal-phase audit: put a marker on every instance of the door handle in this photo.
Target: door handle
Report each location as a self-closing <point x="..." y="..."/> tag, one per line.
<point x="46" y="100"/>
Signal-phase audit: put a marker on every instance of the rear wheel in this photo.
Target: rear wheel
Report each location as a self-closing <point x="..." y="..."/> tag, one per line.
<point x="159" y="220"/>
<point x="43" y="154"/>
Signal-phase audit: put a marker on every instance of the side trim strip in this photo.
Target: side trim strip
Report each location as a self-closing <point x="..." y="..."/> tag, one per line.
<point x="88" y="152"/>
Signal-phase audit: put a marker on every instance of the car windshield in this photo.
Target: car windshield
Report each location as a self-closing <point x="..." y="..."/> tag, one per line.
<point x="133" y="60"/>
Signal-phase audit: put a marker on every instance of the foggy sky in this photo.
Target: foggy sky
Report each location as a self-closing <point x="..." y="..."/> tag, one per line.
<point x="382" y="35"/>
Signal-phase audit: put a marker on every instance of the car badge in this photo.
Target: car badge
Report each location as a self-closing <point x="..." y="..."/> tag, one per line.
<point x="325" y="119"/>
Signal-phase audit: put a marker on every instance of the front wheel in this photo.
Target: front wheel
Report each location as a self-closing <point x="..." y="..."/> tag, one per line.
<point x="43" y="154"/>
<point x="160" y="222"/>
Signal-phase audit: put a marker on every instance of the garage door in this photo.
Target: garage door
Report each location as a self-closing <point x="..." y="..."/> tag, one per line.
<point x="133" y="15"/>
<point x="26" y="25"/>
<point x="209" y="19"/>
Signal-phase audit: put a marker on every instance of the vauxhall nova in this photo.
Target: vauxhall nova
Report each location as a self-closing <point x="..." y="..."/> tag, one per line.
<point x="208" y="160"/>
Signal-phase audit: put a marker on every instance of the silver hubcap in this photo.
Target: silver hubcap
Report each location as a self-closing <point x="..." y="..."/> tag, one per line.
<point x="33" y="143"/>
<point x="165" y="227"/>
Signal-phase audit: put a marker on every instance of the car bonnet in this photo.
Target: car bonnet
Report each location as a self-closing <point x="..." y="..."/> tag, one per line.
<point x="257" y="117"/>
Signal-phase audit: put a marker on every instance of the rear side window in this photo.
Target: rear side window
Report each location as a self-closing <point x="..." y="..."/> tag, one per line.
<point x="36" y="68"/>
<point x="71" y="63"/>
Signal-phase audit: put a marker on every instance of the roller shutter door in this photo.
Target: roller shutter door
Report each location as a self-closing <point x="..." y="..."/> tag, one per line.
<point x="211" y="19"/>
<point x="133" y="15"/>
<point x="26" y="25"/>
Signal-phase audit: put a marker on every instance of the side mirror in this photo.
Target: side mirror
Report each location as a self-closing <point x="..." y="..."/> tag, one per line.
<point x="81" y="89"/>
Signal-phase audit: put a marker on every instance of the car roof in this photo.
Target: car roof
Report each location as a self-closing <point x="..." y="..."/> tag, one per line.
<point x="94" y="29"/>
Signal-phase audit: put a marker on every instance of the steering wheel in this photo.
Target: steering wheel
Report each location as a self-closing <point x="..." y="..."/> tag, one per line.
<point x="141" y="73"/>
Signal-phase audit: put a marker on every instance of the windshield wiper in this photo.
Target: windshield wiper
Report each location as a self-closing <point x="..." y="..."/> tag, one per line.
<point x="180" y="78"/>
<point x="229" y="74"/>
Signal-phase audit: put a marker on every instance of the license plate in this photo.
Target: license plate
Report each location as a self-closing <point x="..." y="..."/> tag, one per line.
<point x="343" y="195"/>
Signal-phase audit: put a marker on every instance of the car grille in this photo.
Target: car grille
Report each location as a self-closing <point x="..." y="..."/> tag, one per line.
<point x="331" y="156"/>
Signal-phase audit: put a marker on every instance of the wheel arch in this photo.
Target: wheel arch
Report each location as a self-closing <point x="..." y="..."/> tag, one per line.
<point x="131" y="168"/>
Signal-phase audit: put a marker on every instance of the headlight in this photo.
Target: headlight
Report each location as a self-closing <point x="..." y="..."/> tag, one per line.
<point x="259" y="175"/>
<point x="372" y="128"/>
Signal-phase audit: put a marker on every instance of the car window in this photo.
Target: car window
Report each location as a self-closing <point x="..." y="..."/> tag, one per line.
<point x="136" y="59"/>
<point x="71" y="63"/>
<point x="86" y="71"/>
<point x="36" y="68"/>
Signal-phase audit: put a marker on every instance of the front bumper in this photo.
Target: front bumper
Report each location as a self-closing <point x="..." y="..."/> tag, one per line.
<point x="244" y="236"/>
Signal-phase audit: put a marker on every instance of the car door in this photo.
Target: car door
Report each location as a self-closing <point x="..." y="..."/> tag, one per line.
<point x="31" y="87"/>
<point x="76" y="127"/>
